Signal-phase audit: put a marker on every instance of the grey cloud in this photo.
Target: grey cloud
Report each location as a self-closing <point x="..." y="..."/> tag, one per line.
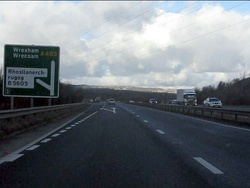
<point x="150" y="50"/>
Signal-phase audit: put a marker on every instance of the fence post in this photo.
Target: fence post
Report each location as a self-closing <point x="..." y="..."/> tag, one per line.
<point x="236" y="118"/>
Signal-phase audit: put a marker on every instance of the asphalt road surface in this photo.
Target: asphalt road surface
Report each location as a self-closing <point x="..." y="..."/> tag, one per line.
<point x="129" y="146"/>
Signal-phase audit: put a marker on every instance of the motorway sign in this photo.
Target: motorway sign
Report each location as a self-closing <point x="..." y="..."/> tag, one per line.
<point x="31" y="71"/>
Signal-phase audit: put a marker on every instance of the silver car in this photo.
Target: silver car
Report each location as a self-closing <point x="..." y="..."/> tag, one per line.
<point x="111" y="101"/>
<point x="212" y="102"/>
<point x="153" y="101"/>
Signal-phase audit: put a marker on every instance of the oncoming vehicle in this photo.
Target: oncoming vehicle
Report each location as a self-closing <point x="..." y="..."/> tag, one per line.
<point x="111" y="101"/>
<point x="153" y="101"/>
<point x="212" y="102"/>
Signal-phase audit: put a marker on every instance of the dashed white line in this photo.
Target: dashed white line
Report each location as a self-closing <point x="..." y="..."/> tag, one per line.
<point x="46" y="140"/>
<point x="68" y="128"/>
<point x="145" y="121"/>
<point x="55" y="135"/>
<point x="208" y="165"/>
<point x="33" y="147"/>
<point x="160" y="131"/>
<point x="15" y="155"/>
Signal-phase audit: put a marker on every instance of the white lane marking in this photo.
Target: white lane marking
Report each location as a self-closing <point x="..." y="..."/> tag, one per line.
<point x="46" y="140"/>
<point x="160" y="131"/>
<point x="62" y="131"/>
<point x="68" y="128"/>
<point x="10" y="158"/>
<point x="208" y="165"/>
<point x="145" y="121"/>
<point x="138" y="115"/>
<point x="90" y="115"/>
<point x="220" y="124"/>
<point x="73" y="125"/>
<point x="55" y="135"/>
<point x="77" y="123"/>
<point x="113" y="110"/>
<point x="33" y="147"/>
<point x="15" y="154"/>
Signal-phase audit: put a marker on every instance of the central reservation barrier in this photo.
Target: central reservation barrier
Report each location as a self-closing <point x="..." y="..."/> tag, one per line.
<point x="236" y="116"/>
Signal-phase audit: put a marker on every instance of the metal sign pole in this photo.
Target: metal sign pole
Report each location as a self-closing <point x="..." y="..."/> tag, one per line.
<point x="31" y="102"/>
<point x="12" y="103"/>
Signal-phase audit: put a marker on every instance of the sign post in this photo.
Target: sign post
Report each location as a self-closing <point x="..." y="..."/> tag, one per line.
<point x="31" y="71"/>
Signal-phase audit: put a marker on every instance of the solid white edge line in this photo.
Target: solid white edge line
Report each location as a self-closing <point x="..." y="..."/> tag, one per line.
<point x="10" y="158"/>
<point x="90" y="115"/>
<point x="208" y="165"/>
<point x="216" y="123"/>
<point x="16" y="152"/>
<point x="220" y="124"/>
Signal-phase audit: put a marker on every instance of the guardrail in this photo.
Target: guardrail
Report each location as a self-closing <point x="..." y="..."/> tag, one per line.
<point x="14" y="121"/>
<point x="236" y="116"/>
<point x="27" y="111"/>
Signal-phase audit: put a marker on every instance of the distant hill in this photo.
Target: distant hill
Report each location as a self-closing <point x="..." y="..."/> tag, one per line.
<point x="128" y="88"/>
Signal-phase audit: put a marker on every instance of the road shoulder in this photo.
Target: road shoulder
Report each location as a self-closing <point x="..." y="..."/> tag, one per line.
<point x="19" y="140"/>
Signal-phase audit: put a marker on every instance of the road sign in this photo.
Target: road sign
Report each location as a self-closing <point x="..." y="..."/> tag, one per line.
<point x="31" y="71"/>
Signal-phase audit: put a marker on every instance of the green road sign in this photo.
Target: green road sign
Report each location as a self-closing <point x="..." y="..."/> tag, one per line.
<point x="31" y="71"/>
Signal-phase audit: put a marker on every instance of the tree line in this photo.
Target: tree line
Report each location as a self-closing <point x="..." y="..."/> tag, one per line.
<point x="235" y="92"/>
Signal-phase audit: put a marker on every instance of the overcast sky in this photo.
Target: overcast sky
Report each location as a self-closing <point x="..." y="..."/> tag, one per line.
<point x="166" y="44"/>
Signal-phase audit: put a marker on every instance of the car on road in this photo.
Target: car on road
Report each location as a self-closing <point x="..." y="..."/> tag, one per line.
<point x="111" y="101"/>
<point x="172" y="101"/>
<point x="212" y="102"/>
<point x="153" y="101"/>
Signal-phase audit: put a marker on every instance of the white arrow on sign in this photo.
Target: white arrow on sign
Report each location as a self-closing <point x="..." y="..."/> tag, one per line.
<point x="52" y="79"/>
